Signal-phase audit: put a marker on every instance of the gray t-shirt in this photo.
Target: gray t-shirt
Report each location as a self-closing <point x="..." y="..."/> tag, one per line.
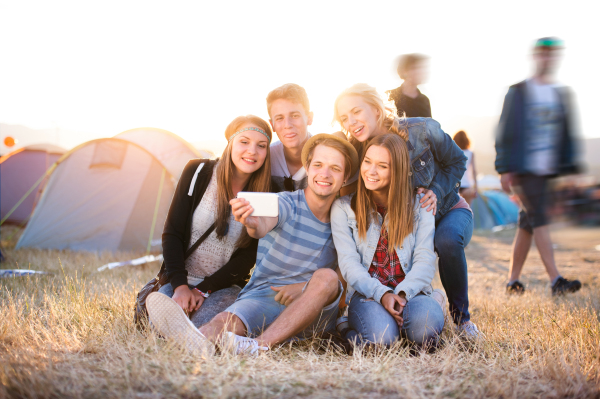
<point x="280" y="171"/>
<point x="544" y="123"/>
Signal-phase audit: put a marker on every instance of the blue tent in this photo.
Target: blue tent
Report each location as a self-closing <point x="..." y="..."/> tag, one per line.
<point x="494" y="208"/>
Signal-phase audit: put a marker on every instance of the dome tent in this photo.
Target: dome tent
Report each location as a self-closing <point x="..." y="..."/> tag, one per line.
<point x="109" y="194"/>
<point x="22" y="172"/>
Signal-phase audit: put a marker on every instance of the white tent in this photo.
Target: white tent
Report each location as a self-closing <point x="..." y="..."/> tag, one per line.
<point x="22" y="174"/>
<point x="110" y="194"/>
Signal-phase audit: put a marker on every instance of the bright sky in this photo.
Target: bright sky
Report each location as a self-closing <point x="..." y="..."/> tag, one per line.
<point x="192" y="66"/>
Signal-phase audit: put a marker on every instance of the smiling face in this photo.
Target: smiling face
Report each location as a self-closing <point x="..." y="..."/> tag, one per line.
<point x="358" y="117"/>
<point x="326" y="171"/>
<point x="249" y="150"/>
<point x="290" y="121"/>
<point x="375" y="169"/>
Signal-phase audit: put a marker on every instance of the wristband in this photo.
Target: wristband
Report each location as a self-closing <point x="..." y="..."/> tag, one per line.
<point x="205" y="295"/>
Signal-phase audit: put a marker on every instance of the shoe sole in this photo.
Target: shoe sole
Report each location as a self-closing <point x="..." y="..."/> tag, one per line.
<point x="569" y="290"/>
<point x="171" y="322"/>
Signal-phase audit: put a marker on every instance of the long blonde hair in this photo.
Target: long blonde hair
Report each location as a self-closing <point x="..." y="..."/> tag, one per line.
<point x="259" y="181"/>
<point x="400" y="206"/>
<point x="387" y="112"/>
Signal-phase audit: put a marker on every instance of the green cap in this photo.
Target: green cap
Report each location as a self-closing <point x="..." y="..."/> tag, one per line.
<point x="553" y="42"/>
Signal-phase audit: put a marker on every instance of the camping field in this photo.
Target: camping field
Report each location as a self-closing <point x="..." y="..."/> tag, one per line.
<point x="71" y="335"/>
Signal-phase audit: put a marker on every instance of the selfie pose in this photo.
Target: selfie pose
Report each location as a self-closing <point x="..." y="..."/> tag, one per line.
<point x="437" y="167"/>
<point x="384" y="241"/>
<point x="209" y="279"/>
<point x="294" y="291"/>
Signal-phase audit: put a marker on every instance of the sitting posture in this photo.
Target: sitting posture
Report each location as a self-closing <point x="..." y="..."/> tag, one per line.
<point x="437" y="166"/>
<point x="294" y="291"/>
<point x="384" y="241"/>
<point x="209" y="279"/>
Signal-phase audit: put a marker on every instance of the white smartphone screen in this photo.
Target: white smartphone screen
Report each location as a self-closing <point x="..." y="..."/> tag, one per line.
<point x="264" y="204"/>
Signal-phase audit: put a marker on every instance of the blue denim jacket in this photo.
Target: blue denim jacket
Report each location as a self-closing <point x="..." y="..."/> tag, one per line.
<point x="437" y="162"/>
<point x="416" y="253"/>
<point x="511" y="134"/>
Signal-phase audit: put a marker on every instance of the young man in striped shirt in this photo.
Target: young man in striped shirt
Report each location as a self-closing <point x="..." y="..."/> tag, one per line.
<point x="294" y="291"/>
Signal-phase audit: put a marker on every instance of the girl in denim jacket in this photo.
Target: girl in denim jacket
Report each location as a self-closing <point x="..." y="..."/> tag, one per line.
<point x="437" y="167"/>
<point x="384" y="241"/>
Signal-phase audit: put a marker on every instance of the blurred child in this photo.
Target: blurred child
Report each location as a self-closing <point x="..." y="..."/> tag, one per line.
<point x="468" y="184"/>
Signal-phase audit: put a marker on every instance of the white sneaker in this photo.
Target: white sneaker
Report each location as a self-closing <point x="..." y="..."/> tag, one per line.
<point x="242" y="345"/>
<point x="469" y="330"/>
<point x="440" y="297"/>
<point x="167" y="317"/>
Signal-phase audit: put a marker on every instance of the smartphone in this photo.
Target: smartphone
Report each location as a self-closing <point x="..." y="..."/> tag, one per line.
<point x="264" y="204"/>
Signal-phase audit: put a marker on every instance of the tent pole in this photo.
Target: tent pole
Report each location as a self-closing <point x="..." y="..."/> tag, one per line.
<point x="14" y="208"/>
<point x="160" y="187"/>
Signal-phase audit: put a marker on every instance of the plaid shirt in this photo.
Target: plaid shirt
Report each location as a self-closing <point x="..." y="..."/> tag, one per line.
<point x="386" y="266"/>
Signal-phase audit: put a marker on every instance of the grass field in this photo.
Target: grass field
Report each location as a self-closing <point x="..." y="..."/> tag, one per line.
<point x="71" y="335"/>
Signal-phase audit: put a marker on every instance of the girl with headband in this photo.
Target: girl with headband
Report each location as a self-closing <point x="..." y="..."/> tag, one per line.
<point x="437" y="167"/>
<point x="206" y="281"/>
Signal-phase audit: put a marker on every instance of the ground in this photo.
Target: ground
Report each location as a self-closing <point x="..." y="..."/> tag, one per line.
<point x="71" y="334"/>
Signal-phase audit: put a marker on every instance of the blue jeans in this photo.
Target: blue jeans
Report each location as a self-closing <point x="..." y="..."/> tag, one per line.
<point x="452" y="234"/>
<point x="370" y="322"/>
<point x="217" y="302"/>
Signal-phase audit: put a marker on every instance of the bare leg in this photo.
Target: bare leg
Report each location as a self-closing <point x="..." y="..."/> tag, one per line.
<point x="321" y="291"/>
<point x="223" y="322"/>
<point x="541" y="236"/>
<point x="521" y="246"/>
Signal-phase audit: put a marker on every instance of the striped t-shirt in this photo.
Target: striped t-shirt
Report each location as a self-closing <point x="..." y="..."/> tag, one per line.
<point x="296" y="247"/>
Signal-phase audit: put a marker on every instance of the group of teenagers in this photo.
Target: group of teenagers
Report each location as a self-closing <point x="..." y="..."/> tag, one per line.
<point x="362" y="214"/>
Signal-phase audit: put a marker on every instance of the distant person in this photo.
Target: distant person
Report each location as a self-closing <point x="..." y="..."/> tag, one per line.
<point x="209" y="279"/>
<point x="290" y="116"/>
<point x="468" y="184"/>
<point x="535" y="141"/>
<point x="410" y="102"/>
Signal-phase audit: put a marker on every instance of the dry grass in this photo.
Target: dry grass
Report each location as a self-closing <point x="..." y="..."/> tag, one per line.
<point x="71" y="335"/>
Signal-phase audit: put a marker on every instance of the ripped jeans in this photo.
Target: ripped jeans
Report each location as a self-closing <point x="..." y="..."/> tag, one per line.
<point x="370" y="322"/>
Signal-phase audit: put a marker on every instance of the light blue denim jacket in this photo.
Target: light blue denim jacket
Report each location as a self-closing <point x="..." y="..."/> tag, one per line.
<point x="416" y="253"/>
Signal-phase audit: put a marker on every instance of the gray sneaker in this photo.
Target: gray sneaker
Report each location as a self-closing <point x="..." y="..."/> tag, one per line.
<point x="242" y="345"/>
<point x="167" y="317"/>
<point x="341" y="324"/>
<point x="469" y="330"/>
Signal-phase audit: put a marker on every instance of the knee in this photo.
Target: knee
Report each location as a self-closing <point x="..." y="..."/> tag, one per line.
<point x="325" y="280"/>
<point x="447" y="243"/>
<point x="425" y="329"/>
<point x="387" y="336"/>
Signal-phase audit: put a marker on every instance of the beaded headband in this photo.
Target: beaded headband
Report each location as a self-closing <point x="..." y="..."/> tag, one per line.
<point x="250" y="128"/>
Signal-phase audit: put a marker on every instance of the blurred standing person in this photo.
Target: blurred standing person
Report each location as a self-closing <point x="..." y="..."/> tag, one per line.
<point x="410" y="102"/>
<point x="468" y="184"/>
<point x="535" y="142"/>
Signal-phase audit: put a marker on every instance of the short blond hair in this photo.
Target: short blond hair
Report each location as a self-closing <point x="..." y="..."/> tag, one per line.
<point x="291" y="92"/>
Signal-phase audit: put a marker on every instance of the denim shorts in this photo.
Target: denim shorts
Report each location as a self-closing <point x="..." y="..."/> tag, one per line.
<point x="257" y="309"/>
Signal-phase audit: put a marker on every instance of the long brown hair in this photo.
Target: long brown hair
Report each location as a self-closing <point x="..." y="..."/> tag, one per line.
<point x="387" y="113"/>
<point x="400" y="206"/>
<point x="259" y="181"/>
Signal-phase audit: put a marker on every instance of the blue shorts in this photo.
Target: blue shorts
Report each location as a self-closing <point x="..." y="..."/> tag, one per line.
<point x="257" y="309"/>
